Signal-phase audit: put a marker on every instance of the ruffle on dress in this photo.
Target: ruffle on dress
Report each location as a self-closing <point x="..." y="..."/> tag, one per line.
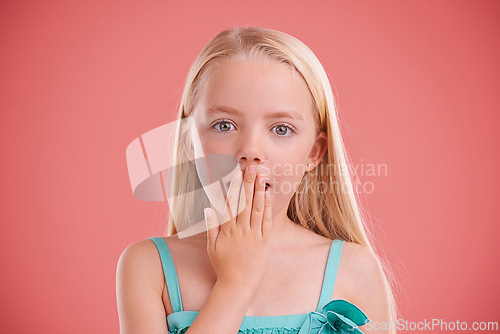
<point x="264" y="330"/>
<point x="337" y="317"/>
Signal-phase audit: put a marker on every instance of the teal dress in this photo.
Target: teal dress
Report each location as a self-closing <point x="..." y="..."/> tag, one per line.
<point x="332" y="316"/>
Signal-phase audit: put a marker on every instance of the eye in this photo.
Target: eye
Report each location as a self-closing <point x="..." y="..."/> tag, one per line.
<point x="283" y="129"/>
<point x="225" y="126"/>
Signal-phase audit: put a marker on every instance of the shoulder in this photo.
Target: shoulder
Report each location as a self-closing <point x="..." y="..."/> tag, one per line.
<point x="362" y="268"/>
<point x="139" y="253"/>
<point x="359" y="259"/>
<point x="139" y="288"/>
<point x="136" y="257"/>
<point x="141" y="261"/>
<point x="364" y="280"/>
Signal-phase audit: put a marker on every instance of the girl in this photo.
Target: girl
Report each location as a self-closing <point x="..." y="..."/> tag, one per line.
<point x="290" y="252"/>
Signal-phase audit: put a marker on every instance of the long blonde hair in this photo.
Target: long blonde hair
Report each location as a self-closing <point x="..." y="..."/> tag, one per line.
<point x="335" y="217"/>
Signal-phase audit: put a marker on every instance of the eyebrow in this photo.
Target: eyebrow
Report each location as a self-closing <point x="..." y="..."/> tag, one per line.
<point x="271" y="115"/>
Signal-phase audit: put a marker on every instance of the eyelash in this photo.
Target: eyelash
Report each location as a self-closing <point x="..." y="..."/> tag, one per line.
<point x="280" y="124"/>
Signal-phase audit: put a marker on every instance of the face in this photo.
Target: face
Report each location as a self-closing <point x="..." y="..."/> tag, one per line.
<point x="262" y="115"/>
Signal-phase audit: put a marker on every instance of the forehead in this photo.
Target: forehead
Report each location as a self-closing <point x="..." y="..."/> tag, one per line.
<point x="257" y="88"/>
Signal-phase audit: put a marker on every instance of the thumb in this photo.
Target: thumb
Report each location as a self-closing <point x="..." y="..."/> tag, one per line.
<point x="211" y="222"/>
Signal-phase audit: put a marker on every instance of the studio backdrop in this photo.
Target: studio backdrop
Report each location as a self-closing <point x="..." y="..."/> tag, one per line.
<point x="417" y="87"/>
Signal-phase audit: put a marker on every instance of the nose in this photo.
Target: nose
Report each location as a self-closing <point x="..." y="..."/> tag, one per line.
<point x="251" y="151"/>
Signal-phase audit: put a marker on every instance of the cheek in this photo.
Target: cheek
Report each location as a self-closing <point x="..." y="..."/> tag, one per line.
<point x="288" y="165"/>
<point x="211" y="146"/>
<point x="284" y="186"/>
<point x="287" y="176"/>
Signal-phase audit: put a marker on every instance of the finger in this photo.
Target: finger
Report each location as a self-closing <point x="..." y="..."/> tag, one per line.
<point x="258" y="204"/>
<point x="249" y="184"/>
<point x="231" y="208"/>
<point x="212" y="225"/>
<point x="267" y="221"/>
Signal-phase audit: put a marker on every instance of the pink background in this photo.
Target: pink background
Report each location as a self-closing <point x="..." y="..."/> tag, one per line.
<point x="418" y="85"/>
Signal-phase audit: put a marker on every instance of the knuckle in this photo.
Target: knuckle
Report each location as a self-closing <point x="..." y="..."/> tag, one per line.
<point x="248" y="180"/>
<point x="258" y="209"/>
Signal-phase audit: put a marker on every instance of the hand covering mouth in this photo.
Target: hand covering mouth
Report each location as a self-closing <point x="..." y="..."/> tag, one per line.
<point x="267" y="185"/>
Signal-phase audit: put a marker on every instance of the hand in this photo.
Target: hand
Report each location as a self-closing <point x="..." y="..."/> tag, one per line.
<point x="240" y="248"/>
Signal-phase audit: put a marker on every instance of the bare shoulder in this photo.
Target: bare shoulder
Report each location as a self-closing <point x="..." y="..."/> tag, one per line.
<point x="142" y="256"/>
<point x="359" y="259"/>
<point x="362" y="269"/>
<point x="139" y="287"/>
<point x="364" y="281"/>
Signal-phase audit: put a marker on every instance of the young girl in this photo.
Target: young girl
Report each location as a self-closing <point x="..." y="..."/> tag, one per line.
<point x="289" y="253"/>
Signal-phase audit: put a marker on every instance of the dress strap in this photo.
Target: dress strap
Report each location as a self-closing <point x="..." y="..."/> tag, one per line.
<point x="332" y="266"/>
<point x="167" y="262"/>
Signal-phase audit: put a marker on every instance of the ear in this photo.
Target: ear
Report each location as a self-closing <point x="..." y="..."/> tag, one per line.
<point x="318" y="151"/>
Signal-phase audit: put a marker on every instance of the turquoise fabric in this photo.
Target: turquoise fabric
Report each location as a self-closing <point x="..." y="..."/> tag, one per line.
<point x="331" y="316"/>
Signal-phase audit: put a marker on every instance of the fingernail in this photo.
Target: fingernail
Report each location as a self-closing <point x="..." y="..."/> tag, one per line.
<point x="251" y="169"/>
<point x="207" y="212"/>
<point x="260" y="177"/>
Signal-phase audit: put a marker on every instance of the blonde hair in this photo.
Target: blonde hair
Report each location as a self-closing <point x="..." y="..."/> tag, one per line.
<point x="335" y="217"/>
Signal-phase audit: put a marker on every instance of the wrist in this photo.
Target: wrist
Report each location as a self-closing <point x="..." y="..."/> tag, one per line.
<point x="234" y="288"/>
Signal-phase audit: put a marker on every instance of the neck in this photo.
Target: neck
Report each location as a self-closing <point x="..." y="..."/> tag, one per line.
<point x="284" y="230"/>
